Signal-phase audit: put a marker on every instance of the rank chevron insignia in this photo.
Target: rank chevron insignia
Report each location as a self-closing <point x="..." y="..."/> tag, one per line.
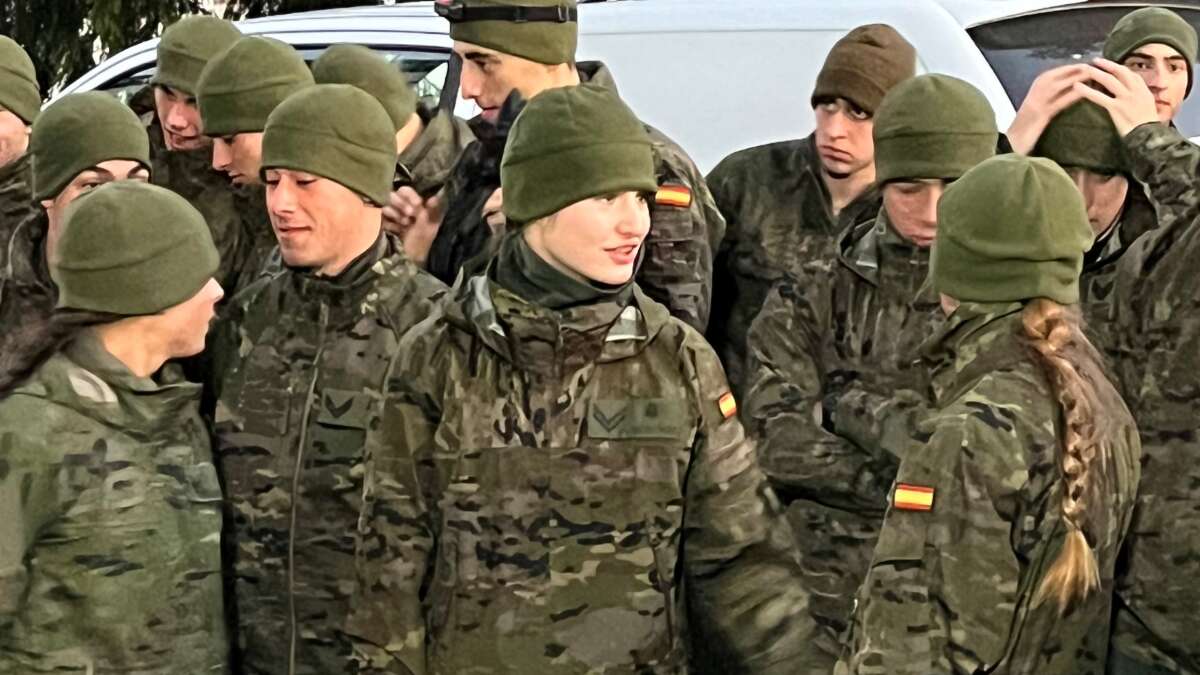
<point x="610" y="422"/>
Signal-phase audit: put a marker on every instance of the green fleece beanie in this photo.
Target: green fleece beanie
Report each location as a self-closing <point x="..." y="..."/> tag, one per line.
<point x="19" y="93"/>
<point x="1083" y="136"/>
<point x="311" y="132"/>
<point x="542" y="39"/>
<point x="132" y="248"/>
<point x="571" y="144"/>
<point x="77" y="132"/>
<point x="242" y="85"/>
<point x="1013" y="228"/>
<point x="187" y="46"/>
<point x="1152" y="25"/>
<point x="932" y="126"/>
<point x="864" y="65"/>
<point x="367" y="70"/>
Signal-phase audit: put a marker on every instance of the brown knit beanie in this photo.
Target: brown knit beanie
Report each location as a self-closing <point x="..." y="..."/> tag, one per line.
<point x="864" y="65"/>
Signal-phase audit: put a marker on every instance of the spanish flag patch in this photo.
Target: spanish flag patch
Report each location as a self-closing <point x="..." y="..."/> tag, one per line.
<point x="727" y="405"/>
<point x="673" y="195"/>
<point x="912" y="497"/>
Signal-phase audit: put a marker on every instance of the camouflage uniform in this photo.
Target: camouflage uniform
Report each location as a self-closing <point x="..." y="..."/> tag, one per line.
<point x="679" y="249"/>
<point x="779" y="217"/>
<point x="1097" y="284"/>
<point x="26" y="291"/>
<point x="561" y="492"/>
<point x="111" y="560"/>
<point x="1156" y="327"/>
<point x="426" y="163"/>
<point x="236" y="216"/>
<point x="300" y="358"/>
<point x="951" y="589"/>
<point x="860" y="317"/>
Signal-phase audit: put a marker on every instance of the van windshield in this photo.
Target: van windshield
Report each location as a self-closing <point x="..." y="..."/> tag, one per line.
<point x="1020" y="49"/>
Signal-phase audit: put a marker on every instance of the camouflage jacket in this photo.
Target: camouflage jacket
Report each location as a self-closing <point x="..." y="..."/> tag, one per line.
<point x="111" y="558"/>
<point x="1097" y="284"/>
<point x="426" y="163"/>
<point x="858" y="318"/>
<point x="1156" y="349"/>
<point x="299" y="360"/>
<point x="952" y="584"/>
<point x="778" y="217"/>
<point x="27" y="294"/>
<point x="236" y="216"/>
<point x="567" y="492"/>
<point x="685" y="226"/>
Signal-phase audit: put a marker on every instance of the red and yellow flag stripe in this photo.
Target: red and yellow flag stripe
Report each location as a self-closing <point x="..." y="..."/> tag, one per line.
<point x="912" y="497"/>
<point x="673" y="195"/>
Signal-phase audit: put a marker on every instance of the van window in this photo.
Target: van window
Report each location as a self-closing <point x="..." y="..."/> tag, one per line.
<point x="426" y="70"/>
<point x="1020" y="49"/>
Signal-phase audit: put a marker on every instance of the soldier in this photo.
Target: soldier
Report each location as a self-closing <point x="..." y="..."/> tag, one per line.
<point x="182" y="154"/>
<point x="998" y="550"/>
<point x="428" y="142"/>
<point x="784" y="203"/>
<point x="1155" y="330"/>
<point x="81" y="141"/>
<point x="526" y="509"/>
<point x="20" y="102"/>
<point x="299" y="362"/>
<point x="1154" y="42"/>
<point x="1082" y="140"/>
<point x="525" y="47"/>
<point x="861" y="318"/>
<point x="110" y="516"/>
<point x="236" y="92"/>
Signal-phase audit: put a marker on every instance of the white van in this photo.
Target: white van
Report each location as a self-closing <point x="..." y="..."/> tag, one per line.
<point x="720" y="75"/>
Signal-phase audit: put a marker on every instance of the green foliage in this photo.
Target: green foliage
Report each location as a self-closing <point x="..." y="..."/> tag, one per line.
<point x="67" y="38"/>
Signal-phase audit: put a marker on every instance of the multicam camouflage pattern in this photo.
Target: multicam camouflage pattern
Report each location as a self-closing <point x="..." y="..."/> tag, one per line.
<point x="562" y="493"/>
<point x="299" y="361"/>
<point x="779" y="217"/>
<point x="1097" y="284"/>
<point x="677" y="270"/>
<point x="426" y="163"/>
<point x="1156" y="349"/>
<point x="111" y="561"/>
<point x="27" y="294"/>
<point x="952" y="589"/>
<point x="860" y="318"/>
<point x="236" y="216"/>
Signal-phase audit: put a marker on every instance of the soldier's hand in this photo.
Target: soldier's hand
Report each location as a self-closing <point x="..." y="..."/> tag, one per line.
<point x="1051" y="93"/>
<point x="405" y="207"/>
<point x="1127" y="98"/>
<point x="493" y="211"/>
<point x="416" y="221"/>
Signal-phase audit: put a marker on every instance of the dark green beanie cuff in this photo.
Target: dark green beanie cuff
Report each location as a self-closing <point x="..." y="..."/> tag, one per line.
<point x="178" y="71"/>
<point x="366" y="170"/>
<point x="969" y="276"/>
<point x="148" y="286"/>
<point x="540" y="41"/>
<point x="934" y="155"/>
<point x="19" y="95"/>
<point x="541" y="185"/>
<point x="244" y="112"/>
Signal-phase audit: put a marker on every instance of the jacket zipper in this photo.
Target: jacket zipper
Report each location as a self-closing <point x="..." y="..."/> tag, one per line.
<point x="308" y="404"/>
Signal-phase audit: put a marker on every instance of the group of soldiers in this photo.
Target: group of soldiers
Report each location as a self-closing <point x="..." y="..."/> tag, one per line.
<point x="298" y="375"/>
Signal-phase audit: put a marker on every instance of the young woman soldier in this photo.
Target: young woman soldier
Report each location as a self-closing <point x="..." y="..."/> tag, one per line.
<point x="997" y="553"/>
<point x="559" y="483"/>
<point x="110" y="509"/>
